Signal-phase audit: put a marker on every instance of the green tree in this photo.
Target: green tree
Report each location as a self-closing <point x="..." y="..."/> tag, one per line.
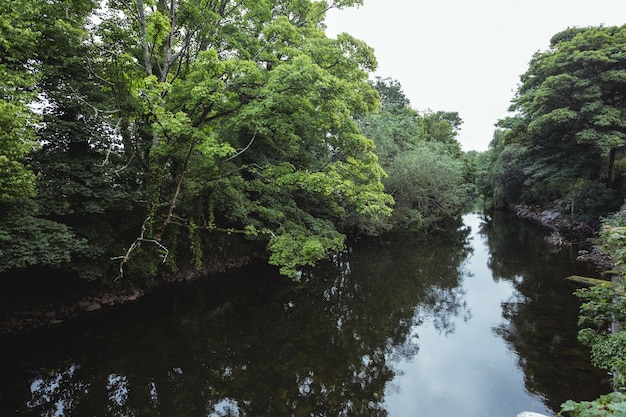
<point x="570" y="108"/>
<point x="443" y="127"/>
<point x="33" y="34"/>
<point x="240" y="118"/>
<point x="507" y="176"/>
<point x="428" y="185"/>
<point x="77" y="161"/>
<point x="395" y="127"/>
<point x="426" y="173"/>
<point x="17" y="78"/>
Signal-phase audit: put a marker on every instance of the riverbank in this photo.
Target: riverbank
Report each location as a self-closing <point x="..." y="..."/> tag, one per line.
<point x="56" y="310"/>
<point x="556" y="221"/>
<point x="47" y="310"/>
<point x="566" y="231"/>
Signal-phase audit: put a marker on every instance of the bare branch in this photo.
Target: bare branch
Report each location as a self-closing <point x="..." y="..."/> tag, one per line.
<point x="136" y="244"/>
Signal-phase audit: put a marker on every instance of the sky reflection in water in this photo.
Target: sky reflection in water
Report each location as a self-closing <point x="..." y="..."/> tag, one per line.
<point x="475" y="322"/>
<point x="470" y="371"/>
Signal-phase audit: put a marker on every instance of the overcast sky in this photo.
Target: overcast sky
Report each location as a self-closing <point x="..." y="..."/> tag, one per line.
<point x="465" y="56"/>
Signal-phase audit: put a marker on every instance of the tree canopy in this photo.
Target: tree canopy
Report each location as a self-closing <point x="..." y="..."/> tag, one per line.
<point x="149" y="136"/>
<point x="17" y="119"/>
<point x="567" y="126"/>
<point x="422" y="157"/>
<point x="184" y="121"/>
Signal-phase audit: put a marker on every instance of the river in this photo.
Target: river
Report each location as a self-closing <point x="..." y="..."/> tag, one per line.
<point x="475" y="321"/>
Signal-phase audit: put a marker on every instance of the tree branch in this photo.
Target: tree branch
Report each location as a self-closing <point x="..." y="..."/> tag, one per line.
<point x="136" y="244"/>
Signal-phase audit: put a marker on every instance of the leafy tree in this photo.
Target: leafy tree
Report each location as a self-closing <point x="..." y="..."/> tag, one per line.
<point x="508" y="176"/>
<point x="570" y="108"/>
<point x="443" y="127"/>
<point x="168" y="124"/>
<point x="396" y="127"/>
<point x="28" y="239"/>
<point x="77" y="161"/>
<point x="428" y="186"/>
<point x="17" y="119"/>
<point x="33" y="34"/>
<point x="239" y="118"/>
<point x="426" y="174"/>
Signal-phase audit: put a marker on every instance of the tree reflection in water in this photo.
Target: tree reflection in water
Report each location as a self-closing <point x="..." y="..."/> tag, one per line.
<point x="250" y="343"/>
<point x="520" y="255"/>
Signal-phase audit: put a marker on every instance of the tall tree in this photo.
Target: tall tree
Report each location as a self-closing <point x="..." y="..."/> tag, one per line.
<point x="421" y="157"/>
<point x="43" y="42"/>
<point x="239" y="117"/>
<point x="443" y="127"/>
<point x="571" y="105"/>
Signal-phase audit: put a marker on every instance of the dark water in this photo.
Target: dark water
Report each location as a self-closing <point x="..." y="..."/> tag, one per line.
<point x="475" y="322"/>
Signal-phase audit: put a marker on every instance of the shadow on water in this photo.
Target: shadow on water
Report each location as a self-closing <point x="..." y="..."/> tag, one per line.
<point x="248" y="343"/>
<point x="252" y="343"/>
<point x="541" y="315"/>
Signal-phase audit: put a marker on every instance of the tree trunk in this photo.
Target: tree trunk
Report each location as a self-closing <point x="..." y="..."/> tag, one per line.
<point x="610" y="181"/>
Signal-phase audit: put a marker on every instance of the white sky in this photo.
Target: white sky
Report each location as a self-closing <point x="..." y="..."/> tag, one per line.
<point x="465" y="56"/>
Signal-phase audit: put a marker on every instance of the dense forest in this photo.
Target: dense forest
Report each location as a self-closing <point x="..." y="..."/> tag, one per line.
<point x="151" y="137"/>
<point x="564" y="142"/>
<point x="143" y="138"/>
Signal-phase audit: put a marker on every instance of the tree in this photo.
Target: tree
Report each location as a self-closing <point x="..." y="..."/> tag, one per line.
<point x="17" y="78"/>
<point x="167" y="124"/>
<point x="29" y="235"/>
<point x="506" y="175"/>
<point x="571" y="106"/>
<point x="239" y="118"/>
<point x="443" y="127"/>
<point x="421" y="156"/>
<point x="428" y="186"/>
<point x="395" y="127"/>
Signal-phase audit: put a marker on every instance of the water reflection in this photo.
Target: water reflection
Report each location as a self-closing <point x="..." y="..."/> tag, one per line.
<point x="251" y="343"/>
<point x="339" y="343"/>
<point x="554" y="364"/>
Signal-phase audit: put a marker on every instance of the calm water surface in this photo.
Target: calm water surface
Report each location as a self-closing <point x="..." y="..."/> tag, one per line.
<point x="475" y="322"/>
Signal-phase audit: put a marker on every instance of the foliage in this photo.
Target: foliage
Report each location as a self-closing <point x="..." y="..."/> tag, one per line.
<point x="16" y="139"/>
<point x="17" y="119"/>
<point x="502" y="179"/>
<point x="164" y="127"/>
<point x="42" y="242"/>
<point x="604" y="305"/>
<point x="427" y="184"/>
<point x="612" y="404"/>
<point x="443" y="127"/>
<point x="588" y="200"/>
<point x="426" y="172"/>
<point x="567" y="127"/>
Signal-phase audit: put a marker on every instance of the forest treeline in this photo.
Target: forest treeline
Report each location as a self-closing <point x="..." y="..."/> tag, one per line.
<point x="147" y="137"/>
<point x="563" y="145"/>
<point x="562" y="149"/>
<point x="151" y="136"/>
